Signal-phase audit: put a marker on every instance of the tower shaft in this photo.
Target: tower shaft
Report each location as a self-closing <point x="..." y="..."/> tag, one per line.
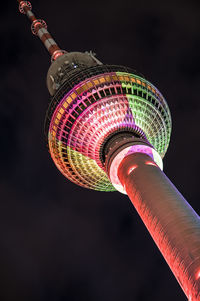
<point x="39" y="28"/>
<point x="171" y="221"/>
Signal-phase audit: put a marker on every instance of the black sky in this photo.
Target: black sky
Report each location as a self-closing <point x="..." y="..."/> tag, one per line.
<point x="61" y="242"/>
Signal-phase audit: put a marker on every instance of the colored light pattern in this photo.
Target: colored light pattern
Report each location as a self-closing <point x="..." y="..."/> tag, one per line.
<point x="100" y="110"/>
<point x="142" y="149"/>
<point x="94" y="109"/>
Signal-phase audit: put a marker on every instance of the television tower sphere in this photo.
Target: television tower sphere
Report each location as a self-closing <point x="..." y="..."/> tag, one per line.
<point x="91" y="103"/>
<point x="108" y="128"/>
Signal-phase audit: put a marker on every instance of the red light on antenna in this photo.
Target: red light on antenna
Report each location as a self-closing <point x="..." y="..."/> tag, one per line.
<point x="56" y="54"/>
<point x="23" y="4"/>
<point x="36" y="23"/>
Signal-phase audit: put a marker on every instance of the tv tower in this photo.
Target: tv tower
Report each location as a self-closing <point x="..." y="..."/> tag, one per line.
<point x="108" y="129"/>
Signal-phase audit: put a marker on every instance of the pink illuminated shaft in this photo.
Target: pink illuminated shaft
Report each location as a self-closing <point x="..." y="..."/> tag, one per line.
<point x="171" y="221"/>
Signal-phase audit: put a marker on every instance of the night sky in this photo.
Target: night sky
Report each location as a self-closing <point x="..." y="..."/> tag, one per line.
<point x="61" y="242"/>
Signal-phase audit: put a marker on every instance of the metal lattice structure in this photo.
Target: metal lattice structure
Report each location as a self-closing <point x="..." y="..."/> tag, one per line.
<point x="104" y="100"/>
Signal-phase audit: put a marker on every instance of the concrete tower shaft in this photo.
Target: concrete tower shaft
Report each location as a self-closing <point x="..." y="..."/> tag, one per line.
<point x="171" y="221"/>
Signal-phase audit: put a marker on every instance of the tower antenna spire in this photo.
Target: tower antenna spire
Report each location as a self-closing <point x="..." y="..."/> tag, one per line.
<point x="39" y="28"/>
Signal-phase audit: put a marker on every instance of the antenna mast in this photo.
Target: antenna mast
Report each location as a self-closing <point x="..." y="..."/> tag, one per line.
<point x="39" y="28"/>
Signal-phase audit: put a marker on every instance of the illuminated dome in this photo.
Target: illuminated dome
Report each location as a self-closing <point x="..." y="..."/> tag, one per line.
<point x="92" y="105"/>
